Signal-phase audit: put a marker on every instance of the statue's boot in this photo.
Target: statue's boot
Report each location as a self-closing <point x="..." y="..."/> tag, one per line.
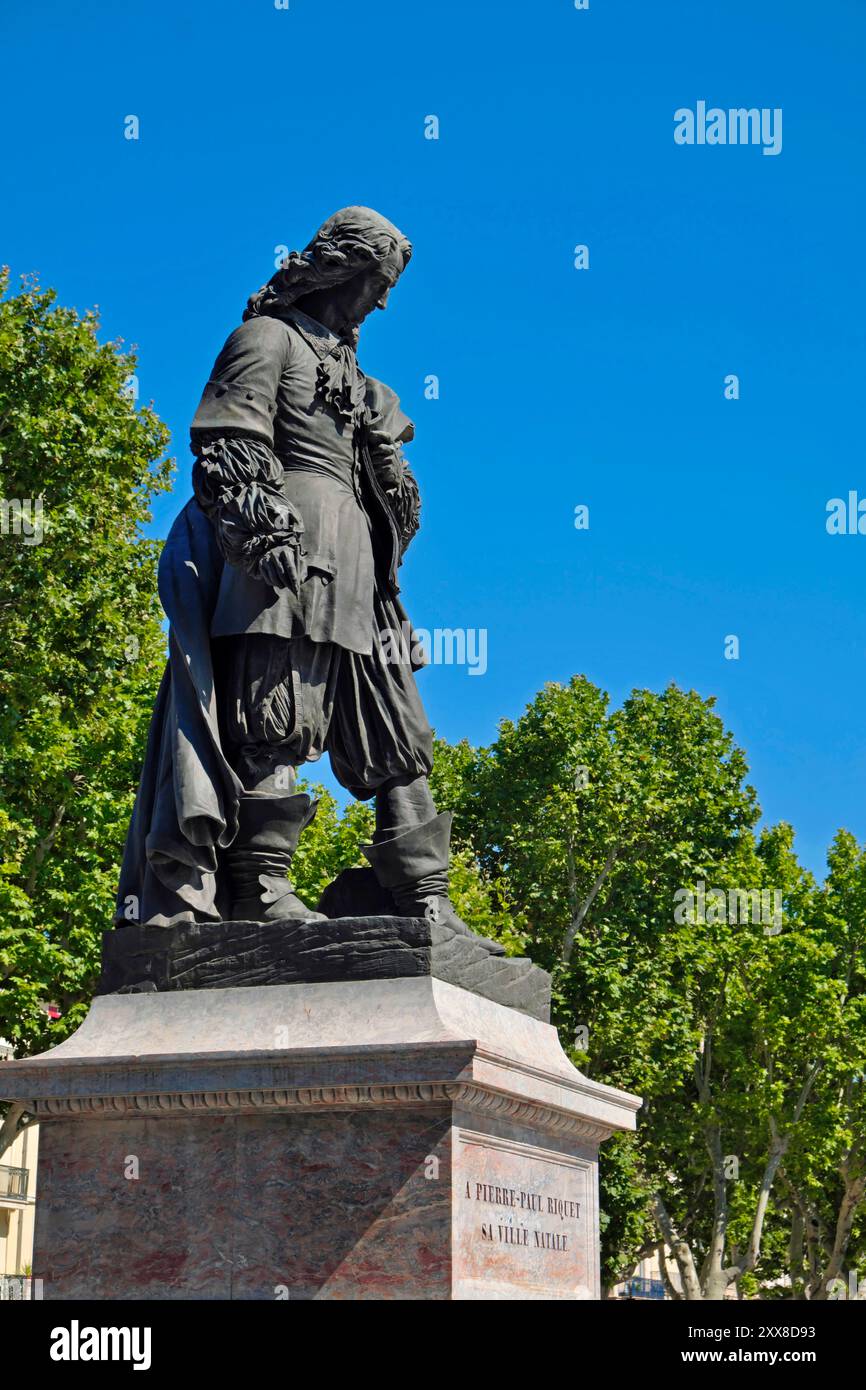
<point x="413" y="866"/>
<point x="269" y="827"/>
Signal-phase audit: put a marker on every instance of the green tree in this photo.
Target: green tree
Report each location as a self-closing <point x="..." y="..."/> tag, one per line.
<point x="824" y="1173"/>
<point x="82" y="648"/>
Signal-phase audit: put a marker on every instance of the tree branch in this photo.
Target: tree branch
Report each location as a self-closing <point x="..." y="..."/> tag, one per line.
<point x="577" y="920"/>
<point x="778" y="1148"/>
<point x="43" y="847"/>
<point x="17" y="1117"/>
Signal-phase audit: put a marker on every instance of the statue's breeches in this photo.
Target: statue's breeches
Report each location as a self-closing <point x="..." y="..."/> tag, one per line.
<point x="305" y="698"/>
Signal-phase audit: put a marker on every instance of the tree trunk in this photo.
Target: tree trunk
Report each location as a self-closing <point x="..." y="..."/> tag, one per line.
<point x="855" y="1188"/>
<point x="681" y="1251"/>
<point x="10" y="1126"/>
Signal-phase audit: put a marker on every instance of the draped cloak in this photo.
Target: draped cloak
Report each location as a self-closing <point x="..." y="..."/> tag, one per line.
<point x="187" y="803"/>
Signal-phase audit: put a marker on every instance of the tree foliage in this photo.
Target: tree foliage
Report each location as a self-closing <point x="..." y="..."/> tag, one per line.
<point x="82" y="649"/>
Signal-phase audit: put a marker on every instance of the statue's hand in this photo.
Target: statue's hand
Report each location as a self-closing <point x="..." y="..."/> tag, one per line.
<point x="282" y="567"/>
<point x="389" y="468"/>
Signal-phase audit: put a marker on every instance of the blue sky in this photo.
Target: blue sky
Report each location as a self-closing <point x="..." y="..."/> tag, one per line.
<point x="557" y="386"/>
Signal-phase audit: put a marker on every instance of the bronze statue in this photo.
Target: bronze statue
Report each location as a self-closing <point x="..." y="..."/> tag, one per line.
<point x="280" y="583"/>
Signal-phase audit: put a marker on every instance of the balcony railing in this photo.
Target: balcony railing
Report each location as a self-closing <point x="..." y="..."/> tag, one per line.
<point x="13" y="1182"/>
<point x="644" y="1288"/>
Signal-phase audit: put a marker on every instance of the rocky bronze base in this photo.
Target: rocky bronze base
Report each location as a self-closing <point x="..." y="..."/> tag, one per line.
<point x="222" y="955"/>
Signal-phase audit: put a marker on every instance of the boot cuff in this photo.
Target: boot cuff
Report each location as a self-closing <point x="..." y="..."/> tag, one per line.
<point x="414" y="854"/>
<point x="257" y="810"/>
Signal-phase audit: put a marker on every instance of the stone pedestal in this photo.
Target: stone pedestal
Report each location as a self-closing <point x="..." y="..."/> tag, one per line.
<point x="367" y="1139"/>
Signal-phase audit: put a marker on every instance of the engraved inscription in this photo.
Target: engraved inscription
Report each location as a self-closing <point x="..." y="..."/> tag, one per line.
<point x="517" y="1204"/>
<point x="525" y="1218"/>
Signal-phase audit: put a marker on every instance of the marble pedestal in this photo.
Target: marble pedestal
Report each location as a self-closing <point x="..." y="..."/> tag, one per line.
<point x="369" y="1139"/>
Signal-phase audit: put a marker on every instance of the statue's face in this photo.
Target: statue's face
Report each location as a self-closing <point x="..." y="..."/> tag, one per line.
<point x="358" y="297"/>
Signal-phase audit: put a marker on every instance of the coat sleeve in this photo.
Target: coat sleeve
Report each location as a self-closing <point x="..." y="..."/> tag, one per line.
<point x="241" y="394"/>
<point x="237" y="478"/>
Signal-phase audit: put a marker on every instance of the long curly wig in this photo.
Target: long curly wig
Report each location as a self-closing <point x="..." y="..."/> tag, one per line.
<point x="349" y="243"/>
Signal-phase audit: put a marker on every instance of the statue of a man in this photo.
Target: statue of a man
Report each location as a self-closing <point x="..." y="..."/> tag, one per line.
<point x="280" y="583"/>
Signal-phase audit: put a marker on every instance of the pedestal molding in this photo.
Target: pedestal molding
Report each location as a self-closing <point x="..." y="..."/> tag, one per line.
<point x="466" y="1096"/>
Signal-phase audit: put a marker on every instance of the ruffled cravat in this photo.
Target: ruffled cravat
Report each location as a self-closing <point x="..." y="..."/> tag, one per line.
<point x="340" y="382"/>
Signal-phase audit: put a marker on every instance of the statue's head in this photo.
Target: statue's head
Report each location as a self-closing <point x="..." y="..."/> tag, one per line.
<point x="346" y="271"/>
